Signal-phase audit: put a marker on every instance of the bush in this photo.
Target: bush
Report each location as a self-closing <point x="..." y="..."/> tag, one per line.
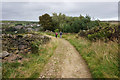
<point x="21" y="31"/>
<point x="56" y="30"/>
<point x="34" y="47"/>
<point x="104" y="33"/>
<point x="10" y="29"/>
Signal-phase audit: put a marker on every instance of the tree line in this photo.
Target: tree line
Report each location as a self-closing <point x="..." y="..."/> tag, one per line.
<point x="67" y="24"/>
<point x="83" y="25"/>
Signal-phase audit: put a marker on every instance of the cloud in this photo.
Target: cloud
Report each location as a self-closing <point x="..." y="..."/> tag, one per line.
<point x="32" y="10"/>
<point x="60" y="0"/>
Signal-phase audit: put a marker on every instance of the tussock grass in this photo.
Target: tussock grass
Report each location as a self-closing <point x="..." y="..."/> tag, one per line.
<point x="32" y="65"/>
<point x="101" y="57"/>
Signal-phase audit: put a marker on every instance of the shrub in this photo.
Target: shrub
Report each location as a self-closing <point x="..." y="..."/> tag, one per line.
<point x="34" y="47"/>
<point x="21" y="31"/>
<point x="107" y="32"/>
<point x="56" y="30"/>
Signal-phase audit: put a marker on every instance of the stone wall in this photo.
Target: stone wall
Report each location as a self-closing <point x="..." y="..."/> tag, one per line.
<point x="21" y="43"/>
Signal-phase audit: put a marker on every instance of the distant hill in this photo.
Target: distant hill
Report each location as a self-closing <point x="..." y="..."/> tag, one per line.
<point x="111" y="22"/>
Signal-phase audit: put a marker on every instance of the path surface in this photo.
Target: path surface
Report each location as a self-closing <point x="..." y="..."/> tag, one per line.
<point x="66" y="62"/>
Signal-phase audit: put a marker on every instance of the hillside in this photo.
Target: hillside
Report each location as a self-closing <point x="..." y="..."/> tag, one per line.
<point x="31" y="51"/>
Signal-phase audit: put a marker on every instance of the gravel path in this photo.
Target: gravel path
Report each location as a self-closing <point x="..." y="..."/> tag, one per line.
<point x="66" y="62"/>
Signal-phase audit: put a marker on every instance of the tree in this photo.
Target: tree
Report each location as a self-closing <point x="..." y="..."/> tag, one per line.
<point x="67" y="23"/>
<point x="55" y="21"/>
<point x="46" y="22"/>
<point x="56" y="30"/>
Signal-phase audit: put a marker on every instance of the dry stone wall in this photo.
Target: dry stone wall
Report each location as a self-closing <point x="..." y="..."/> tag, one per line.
<point x="15" y="44"/>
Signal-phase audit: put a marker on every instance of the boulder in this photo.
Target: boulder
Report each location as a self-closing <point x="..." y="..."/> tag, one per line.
<point x="18" y="27"/>
<point x="5" y="54"/>
<point x="21" y="46"/>
<point x="29" y="29"/>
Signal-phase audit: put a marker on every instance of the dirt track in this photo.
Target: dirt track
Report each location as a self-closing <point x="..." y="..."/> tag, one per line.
<point x="66" y="62"/>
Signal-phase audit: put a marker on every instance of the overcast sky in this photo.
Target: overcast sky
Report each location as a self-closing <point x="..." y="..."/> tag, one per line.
<point x="30" y="11"/>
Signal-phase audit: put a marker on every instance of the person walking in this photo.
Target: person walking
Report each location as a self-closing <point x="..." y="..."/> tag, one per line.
<point x="60" y="34"/>
<point x="56" y="34"/>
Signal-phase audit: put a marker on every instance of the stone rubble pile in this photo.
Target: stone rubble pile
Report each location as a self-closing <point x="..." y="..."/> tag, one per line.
<point x="15" y="44"/>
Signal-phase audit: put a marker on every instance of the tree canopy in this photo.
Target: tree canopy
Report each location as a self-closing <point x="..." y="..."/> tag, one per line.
<point x="46" y="22"/>
<point x="66" y="23"/>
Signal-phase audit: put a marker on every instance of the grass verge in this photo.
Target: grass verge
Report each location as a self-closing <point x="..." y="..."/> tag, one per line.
<point x="33" y="64"/>
<point x="101" y="57"/>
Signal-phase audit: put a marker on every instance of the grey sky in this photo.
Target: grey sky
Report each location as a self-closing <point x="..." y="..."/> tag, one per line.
<point x="32" y="10"/>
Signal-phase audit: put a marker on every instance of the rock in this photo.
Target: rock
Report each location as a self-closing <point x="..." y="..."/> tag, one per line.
<point x="16" y="52"/>
<point x="21" y="47"/>
<point x="29" y="29"/>
<point x="25" y="50"/>
<point x="10" y="36"/>
<point x="5" y="54"/>
<point x="19" y="36"/>
<point x="14" y="36"/>
<point x="7" y="35"/>
<point x="0" y="55"/>
<point x="25" y="46"/>
<point x="29" y="35"/>
<point x="47" y="31"/>
<point x="18" y="27"/>
<point x="21" y="43"/>
<point x="28" y="52"/>
<point x="18" y="58"/>
<point x="3" y="35"/>
<point x="21" y="51"/>
<point x="42" y="37"/>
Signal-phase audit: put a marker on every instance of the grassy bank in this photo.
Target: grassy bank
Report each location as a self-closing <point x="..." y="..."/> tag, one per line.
<point x="101" y="57"/>
<point x="31" y="65"/>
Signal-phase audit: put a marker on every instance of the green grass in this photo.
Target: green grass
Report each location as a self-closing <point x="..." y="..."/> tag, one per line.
<point x="101" y="57"/>
<point x="32" y="66"/>
<point x="51" y="34"/>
